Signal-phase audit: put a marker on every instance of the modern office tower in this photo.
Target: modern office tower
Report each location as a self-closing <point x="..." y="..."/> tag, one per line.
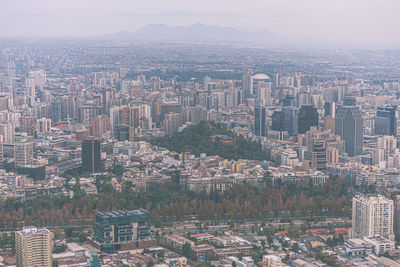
<point x="91" y="154"/>
<point x="100" y="125"/>
<point x="248" y="83"/>
<point x="288" y="101"/>
<point x="330" y="109"/>
<point x="124" y="133"/>
<point x="121" y="230"/>
<point x="27" y="124"/>
<point x="278" y="121"/>
<point x="172" y="122"/>
<point x="43" y="125"/>
<point x="372" y="215"/>
<point x="23" y="151"/>
<point x="308" y="116"/>
<point x="33" y="247"/>
<point x="291" y="120"/>
<point x="349" y="126"/>
<point x="386" y="121"/>
<point x="349" y="100"/>
<point x="259" y="121"/>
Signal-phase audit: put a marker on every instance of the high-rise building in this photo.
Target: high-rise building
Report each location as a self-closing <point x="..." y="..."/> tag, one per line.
<point x="396" y="218"/>
<point x="308" y="116"/>
<point x="372" y="215"/>
<point x="33" y="247"/>
<point x="291" y="119"/>
<point x="349" y="126"/>
<point x="27" y="124"/>
<point x="87" y="113"/>
<point x="91" y="154"/>
<point x="64" y="108"/>
<point x="330" y="109"/>
<point x="120" y="230"/>
<point x="278" y="121"/>
<point x="315" y="155"/>
<point x="248" y="83"/>
<point x="386" y="148"/>
<point x="23" y="151"/>
<point x="7" y="130"/>
<point x="386" y="121"/>
<point x="172" y="122"/>
<point x="155" y="83"/>
<point x="124" y="133"/>
<point x="43" y="125"/>
<point x="259" y="121"/>
<point x="100" y="125"/>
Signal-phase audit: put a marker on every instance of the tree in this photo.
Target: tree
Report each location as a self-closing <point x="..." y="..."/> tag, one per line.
<point x="295" y="247"/>
<point x="187" y="250"/>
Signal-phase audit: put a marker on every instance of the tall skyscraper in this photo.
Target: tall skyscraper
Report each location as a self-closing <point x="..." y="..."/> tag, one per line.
<point x="291" y="120"/>
<point x="372" y="215"/>
<point x="278" y="121"/>
<point x="259" y="121"/>
<point x="349" y="126"/>
<point x="91" y="154"/>
<point x="33" y="247"/>
<point x="396" y="218"/>
<point x="308" y="116"/>
<point x="248" y="83"/>
<point x="386" y="121"/>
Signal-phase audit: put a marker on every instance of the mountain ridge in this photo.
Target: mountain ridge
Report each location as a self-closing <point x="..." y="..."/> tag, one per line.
<point x="197" y="32"/>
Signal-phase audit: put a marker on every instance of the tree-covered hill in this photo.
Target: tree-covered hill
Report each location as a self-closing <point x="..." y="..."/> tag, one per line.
<point x="197" y="139"/>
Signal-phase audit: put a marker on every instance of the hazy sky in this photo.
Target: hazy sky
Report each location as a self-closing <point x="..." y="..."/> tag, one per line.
<point x="375" y="21"/>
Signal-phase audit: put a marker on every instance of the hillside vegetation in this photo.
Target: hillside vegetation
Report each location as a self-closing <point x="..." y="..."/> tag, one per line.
<point x="197" y="139"/>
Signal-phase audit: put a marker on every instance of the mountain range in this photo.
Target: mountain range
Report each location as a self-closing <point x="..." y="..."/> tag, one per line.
<point x="194" y="33"/>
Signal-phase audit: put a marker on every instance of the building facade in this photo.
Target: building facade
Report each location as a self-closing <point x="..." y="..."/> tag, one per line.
<point x="112" y="230"/>
<point x="372" y="215"/>
<point x="33" y="247"/>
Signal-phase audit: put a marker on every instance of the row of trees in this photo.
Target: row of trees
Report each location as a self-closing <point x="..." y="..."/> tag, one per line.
<point x="169" y="203"/>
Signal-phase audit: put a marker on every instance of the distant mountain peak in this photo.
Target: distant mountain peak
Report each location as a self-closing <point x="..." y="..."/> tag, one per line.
<point x="197" y="32"/>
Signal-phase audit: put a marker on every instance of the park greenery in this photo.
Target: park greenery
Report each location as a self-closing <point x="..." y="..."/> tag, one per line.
<point x="168" y="203"/>
<point x="196" y="139"/>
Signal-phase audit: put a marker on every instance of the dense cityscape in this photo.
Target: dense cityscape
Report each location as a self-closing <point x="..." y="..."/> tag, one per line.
<point x="121" y="153"/>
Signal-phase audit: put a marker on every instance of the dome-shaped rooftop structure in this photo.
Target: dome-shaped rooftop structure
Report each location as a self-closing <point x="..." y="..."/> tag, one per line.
<point x="261" y="76"/>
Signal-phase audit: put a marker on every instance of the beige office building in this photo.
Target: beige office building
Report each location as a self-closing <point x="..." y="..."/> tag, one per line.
<point x="33" y="247"/>
<point x="372" y="215"/>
